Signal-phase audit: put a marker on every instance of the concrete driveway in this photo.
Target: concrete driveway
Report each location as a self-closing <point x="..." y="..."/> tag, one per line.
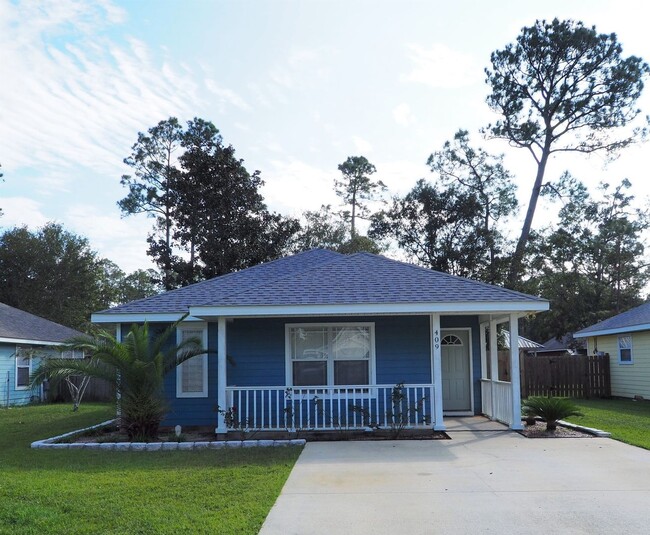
<point x="481" y="481"/>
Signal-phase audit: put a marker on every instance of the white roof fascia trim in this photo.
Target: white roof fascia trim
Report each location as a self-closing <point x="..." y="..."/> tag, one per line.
<point x="368" y="308"/>
<point x="617" y="330"/>
<point x="30" y="342"/>
<point x="139" y="318"/>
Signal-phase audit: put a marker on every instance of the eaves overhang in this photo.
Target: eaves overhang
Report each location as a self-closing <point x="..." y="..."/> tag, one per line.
<point x="615" y="330"/>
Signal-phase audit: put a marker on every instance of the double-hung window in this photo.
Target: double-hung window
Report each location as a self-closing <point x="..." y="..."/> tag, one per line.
<point x="625" y="349"/>
<point x="23" y="368"/>
<point x="330" y="354"/>
<point x="192" y="374"/>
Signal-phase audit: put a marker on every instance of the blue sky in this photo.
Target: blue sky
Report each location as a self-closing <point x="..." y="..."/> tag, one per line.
<point x="295" y="87"/>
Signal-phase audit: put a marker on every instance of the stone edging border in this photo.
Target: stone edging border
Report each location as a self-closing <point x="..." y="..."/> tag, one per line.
<point x="51" y="443"/>
<point x="590" y="430"/>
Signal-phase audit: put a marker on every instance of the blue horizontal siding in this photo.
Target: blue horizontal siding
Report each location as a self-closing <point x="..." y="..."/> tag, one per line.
<point x="256" y="357"/>
<point x="8" y="393"/>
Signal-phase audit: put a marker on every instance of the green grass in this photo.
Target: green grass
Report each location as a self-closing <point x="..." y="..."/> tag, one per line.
<point x="627" y="420"/>
<point x="86" y="491"/>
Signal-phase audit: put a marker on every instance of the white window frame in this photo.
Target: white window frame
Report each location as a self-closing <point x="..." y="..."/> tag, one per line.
<point x="618" y="343"/>
<point x="372" y="372"/>
<point x="19" y="350"/>
<point x="179" y="369"/>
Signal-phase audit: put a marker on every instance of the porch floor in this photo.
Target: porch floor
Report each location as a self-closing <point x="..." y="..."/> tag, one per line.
<point x="472" y="423"/>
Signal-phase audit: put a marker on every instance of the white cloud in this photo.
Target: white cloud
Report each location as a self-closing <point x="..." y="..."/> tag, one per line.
<point x="361" y="145"/>
<point x="122" y="240"/>
<point x="442" y="67"/>
<point x="18" y="211"/>
<point x="226" y="96"/>
<point x="403" y="115"/>
<point x="81" y="98"/>
<point x="292" y="186"/>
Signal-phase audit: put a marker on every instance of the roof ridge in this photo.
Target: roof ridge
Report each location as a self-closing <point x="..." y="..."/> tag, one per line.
<point x="442" y="273"/>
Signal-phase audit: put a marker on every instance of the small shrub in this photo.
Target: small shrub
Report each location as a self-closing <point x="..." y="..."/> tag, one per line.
<point x="550" y="409"/>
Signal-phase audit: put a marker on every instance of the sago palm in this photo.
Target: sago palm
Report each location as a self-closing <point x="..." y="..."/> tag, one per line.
<point x="136" y="367"/>
<point x="549" y="409"/>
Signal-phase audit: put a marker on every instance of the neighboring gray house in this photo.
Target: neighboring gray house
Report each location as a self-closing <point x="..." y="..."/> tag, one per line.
<point x="319" y="340"/>
<point x="25" y="339"/>
<point x="626" y="338"/>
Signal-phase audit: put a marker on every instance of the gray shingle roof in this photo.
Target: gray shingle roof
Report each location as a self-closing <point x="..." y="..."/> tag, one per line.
<point x="323" y="277"/>
<point x="20" y="325"/>
<point x="635" y="317"/>
<point x="367" y="278"/>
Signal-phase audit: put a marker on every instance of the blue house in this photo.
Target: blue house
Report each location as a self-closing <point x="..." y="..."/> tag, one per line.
<point x="25" y="339"/>
<point x="321" y="340"/>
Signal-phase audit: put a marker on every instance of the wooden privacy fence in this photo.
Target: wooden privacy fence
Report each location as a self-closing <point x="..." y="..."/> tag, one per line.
<point x="575" y="376"/>
<point x="97" y="390"/>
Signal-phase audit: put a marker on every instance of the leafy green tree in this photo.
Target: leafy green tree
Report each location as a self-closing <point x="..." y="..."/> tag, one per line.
<point x="481" y="175"/>
<point x="320" y="229"/>
<point x="356" y="188"/>
<point x="154" y="160"/>
<point x="52" y="273"/>
<point x="440" y="228"/>
<point x="593" y="264"/>
<point x="139" y="284"/>
<point x="360" y="244"/>
<point x="562" y="87"/>
<point x="117" y="287"/>
<point x="219" y="214"/>
<point x="210" y="217"/>
<point x="136" y="367"/>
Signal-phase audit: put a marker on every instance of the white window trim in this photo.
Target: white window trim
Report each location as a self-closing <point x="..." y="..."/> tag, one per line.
<point x="179" y="372"/>
<point x="618" y="344"/>
<point x="372" y="371"/>
<point x="31" y="364"/>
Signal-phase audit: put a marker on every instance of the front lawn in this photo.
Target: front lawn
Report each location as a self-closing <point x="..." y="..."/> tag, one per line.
<point x="86" y="491"/>
<point x="627" y="420"/>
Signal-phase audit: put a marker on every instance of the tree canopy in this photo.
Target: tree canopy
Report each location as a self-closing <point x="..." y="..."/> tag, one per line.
<point x="481" y="176"/>
<point x="54" y="273"/>
<point x="562" y="87"/>
<point x="356" y="188"/>
<point x="592" y="264"/>
<point x="210" y="217"/>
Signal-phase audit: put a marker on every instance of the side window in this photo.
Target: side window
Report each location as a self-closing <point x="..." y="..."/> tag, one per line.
<point x="23" y="368"/>
<point x="192" y="375"/>
<point x="625" y="349"/>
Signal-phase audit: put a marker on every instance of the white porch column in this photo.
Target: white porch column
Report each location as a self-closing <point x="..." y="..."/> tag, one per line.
<point x="494" y="363"/>
<point x="221" y="374"/>
<point x="436" y="372"/>
<point x="514" y="372"/>
<point x="484" y="361"/>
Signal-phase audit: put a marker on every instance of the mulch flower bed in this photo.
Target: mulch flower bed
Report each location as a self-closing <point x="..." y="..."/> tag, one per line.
<point x="112" y="434"/>
<point x="539" y="431"/>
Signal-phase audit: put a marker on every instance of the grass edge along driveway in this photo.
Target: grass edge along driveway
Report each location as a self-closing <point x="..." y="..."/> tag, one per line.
<point x="627" y="420"/>
<point x="85" y="491"/>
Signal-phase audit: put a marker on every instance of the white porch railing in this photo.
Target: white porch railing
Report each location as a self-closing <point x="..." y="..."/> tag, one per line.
<point x="329" y="407"/>
<point x="496" y="400"/>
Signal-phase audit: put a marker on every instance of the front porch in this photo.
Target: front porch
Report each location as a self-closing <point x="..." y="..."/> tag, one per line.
<point x="408" y="405"/>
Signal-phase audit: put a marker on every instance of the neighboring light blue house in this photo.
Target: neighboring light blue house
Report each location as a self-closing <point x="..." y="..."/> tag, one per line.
<point x="626" y="339"/>
<point x="319" y="340"/>
<point x="25" y="339"/>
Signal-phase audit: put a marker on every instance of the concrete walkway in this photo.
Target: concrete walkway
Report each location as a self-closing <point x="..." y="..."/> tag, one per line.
<point x="485" y="480"/>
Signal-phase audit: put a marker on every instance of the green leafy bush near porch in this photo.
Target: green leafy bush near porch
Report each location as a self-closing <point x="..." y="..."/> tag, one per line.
<point x="550" y="409"/>
<point x="85" y="491"/>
